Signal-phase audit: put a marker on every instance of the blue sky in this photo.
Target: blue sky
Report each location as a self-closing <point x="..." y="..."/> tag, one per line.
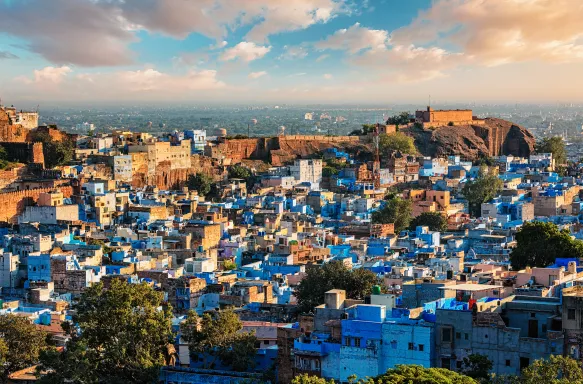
<point x="296" y="51"/>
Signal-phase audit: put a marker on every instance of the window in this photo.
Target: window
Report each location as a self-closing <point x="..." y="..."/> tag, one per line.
<point x="421" y="347"/>
<point x="571" y="314"/>
<point x="507" y="362"/>
<point x="411" y="346"/>
<point x="458" y="364"/>
<point x="458" y="335"/>
<point x="347" y="341"/>
<point x="446" y="335"/>
<point x="357" y="341"/>
<point x="466" y="336"/>
<point x="266" y="342"/>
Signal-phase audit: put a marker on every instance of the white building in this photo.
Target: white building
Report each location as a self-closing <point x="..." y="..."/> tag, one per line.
<point x="85" y="127"/>
<point x="8" y="270"/>
<point x="307" y="170"/>
<point x="309" y="116"/>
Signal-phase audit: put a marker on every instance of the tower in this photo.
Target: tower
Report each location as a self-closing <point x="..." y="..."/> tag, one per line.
<point x="376" y="165"/>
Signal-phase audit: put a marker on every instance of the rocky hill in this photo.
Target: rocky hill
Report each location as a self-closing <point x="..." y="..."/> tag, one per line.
<point x="493" y="138"/>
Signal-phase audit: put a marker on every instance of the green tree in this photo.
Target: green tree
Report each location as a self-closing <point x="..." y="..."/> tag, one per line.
<point x="217" y="337"/>
<point x="397" y="211"/>
<point x="306" y="379"/>
<point x="417" y="374"/>
<point x="400" y="119"/>
<point x="329" y="171"/>
<point x="55" y="152"/>
<point x="554" y="145"/>
<point x="20" y="344"/>
<point x="477" y="366"/>
<point x="229" y="265"/>
<point x="436" y="221"/>
<point x="538" y="244"/>
<point x="200" y="183"/>
<point x="480" y="190"/>
<point x="121" y="335"/>
<point x="318" y="280"/>
<point x="3" y="154"/>
<point x="555" y="370"/>
<point x="238" y="171"/>
<point x="396" y="142"/>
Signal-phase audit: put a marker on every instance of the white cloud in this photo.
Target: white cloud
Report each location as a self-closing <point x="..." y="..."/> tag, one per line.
<point x="257" y="75"/>
<point x="47" y="75"/>
<point x="246" y="51"/>
<point x="355" y="39"/>
<point x="328" y="76"/>
<point x="293" y="52"/>
<point x="111" y="26"/>
<point x="494" y="32"/>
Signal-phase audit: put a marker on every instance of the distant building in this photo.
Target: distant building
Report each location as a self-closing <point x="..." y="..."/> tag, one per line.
<point x="436" y="118"/>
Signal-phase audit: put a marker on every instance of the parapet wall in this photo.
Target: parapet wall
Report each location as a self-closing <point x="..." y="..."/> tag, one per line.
<point x="13" y="204"/>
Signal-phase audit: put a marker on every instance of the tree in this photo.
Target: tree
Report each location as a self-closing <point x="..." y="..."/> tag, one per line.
<point x="400" y="119"/>
<point x="229" y="265"/>
<point x="556" y="370"/>
<point x="397" y="211"/>
<point x="306" y="379"/>
<point x="217" y="336"/>
<point x="55" y="152"/>
<point x="417" y="374"/>
<point x="329" y="171"/>
<point x="538" y="244"/>
<point x="120" y="335"/>
<point x="477" y="366"/>
<point x="366" y="129"/>
<point x="200" y="183"/>
<point x="238" y="171"/>
<point x="554" y="145"/>
<point x="480" y="190"/>
<point x="436" y="221"/>
<point x="20" y="344"/>
<point x="397" y="142"/>
<point x="333" y="275"/>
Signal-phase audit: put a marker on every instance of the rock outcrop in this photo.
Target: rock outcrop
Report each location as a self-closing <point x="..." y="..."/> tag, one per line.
<point x="493" y="138"/>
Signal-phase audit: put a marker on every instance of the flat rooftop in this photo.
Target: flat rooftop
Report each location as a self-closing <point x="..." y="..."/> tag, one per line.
<point x="471" y="287"/>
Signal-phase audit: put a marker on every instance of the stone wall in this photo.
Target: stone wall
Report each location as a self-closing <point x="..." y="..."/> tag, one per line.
<point x="13" y="204"/>
<point x="24" y="152"/>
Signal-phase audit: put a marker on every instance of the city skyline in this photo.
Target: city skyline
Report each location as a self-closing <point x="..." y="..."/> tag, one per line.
<point x="300" y="51"/>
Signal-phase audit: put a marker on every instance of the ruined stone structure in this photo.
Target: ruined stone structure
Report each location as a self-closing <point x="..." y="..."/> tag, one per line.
<point x="13" y="204"/>
<point x="277" y="150"/>
<point x="24" y="152"/>
<point x="492" y="138"/>
<point x="10" y="131"/>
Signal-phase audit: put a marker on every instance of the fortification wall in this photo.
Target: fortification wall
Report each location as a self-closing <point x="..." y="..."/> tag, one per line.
<point x="13" y="204"/>
<point x="24" y="152"/>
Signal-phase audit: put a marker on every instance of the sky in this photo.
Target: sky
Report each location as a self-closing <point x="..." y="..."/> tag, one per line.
<point x="291" y="51"/>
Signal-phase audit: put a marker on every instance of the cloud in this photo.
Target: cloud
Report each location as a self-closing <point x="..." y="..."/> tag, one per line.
<point x="7" y="55"/>
<point x="355" y="39"/>
<point x="322" y="57"/>
<point x="328" y="76"/>
<point x="47" y="75"/>
<point x="98" y="32"/>
<point x="256" y="75"/>
<point x="245" y="51"/>
<point x="86" y="33"/>
<point x="137" y="84"/>
<point x="293" y="52"/>
<point x="494" y="32"/>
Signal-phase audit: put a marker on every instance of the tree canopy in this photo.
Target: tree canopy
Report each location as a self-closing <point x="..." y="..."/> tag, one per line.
<point x="218" y="337"/>
<point x="481" y="190"/>
<point x="396" y="142"/>
<point x="554" y="145"/>
<point x="436" y="221"/>
<point x="318" y="280"/>
<point x="200" y="183"/>
<point x="400" y="119"/>
<point x="555" y="370"/>
<point x="55" y="152"/>
<point x="397" y="211"/>
<point x="366" y="129"/>
<point x="538" y="244"/>
<point x="20" y="344"/>
<point x="477" y="366"/>
<point x="238" y="171"/>
<point x="120" y="335"/>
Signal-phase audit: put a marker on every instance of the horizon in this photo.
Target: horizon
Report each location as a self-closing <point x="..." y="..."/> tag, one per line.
<point x="295" y="52"/>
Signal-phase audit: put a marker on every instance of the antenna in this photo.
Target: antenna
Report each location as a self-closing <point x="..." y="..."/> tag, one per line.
<point x="429" y="100"/>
